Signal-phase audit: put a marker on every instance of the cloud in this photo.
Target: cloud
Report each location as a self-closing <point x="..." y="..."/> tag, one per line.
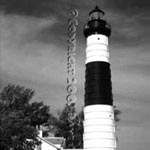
<point x="128" y="7"/>
<point x="37" y="8"/>
<point x="20" y="30"/>
<point x="126" y="17"/>
<point x="27" y="7"/>
<point x="133" y="138"/>
<point x="129" y="31"/>
<point x="27" y="62"/>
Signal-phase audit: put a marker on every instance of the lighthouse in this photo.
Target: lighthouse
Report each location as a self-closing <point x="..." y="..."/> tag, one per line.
<point x="99" y="124"/>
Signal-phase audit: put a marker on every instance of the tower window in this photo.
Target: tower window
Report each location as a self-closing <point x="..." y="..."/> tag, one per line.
<point x="96" y="15"/>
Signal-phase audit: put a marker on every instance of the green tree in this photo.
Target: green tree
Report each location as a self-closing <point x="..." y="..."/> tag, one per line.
<point x="19" y="118"/>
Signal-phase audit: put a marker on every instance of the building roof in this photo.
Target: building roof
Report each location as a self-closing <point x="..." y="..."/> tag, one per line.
<point x="48" y="142"/>
<point x="53" y="141"/>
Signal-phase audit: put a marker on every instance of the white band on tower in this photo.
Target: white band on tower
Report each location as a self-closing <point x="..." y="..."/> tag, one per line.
<point x="97" y="48"/>
<point x="99" y="127"/>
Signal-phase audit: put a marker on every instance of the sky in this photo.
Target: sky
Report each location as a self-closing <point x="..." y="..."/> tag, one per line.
<point x="33" y="53"/>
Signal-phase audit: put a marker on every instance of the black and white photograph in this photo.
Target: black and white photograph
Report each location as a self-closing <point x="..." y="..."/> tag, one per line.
<point x="74" y="74"/>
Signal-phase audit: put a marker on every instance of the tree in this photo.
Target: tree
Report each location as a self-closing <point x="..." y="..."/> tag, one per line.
<point x="78" y="130"/>
<point x="117" y="113"/>
<point x="39" y="114"/>
<point x="19" y="118"/>
<point x="70" y="129"/>
<point x="64" y="127"/>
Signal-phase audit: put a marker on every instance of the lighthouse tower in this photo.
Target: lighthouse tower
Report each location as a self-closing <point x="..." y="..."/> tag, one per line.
<point x="99" y="126"/>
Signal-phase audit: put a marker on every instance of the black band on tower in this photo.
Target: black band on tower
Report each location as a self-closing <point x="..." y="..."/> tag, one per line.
<point x="98" y="89"/>
<point x="97" y="27"/>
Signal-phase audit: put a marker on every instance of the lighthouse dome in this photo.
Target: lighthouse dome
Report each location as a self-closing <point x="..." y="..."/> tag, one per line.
<point x="96" y="14"/>
<point x="96" y="24"/>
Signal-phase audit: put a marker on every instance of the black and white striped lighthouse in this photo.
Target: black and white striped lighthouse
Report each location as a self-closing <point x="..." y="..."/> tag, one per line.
<point x="99" y="125"/>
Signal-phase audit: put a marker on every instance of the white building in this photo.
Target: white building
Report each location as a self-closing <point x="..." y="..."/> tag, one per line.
<point x="50" y="143"/>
